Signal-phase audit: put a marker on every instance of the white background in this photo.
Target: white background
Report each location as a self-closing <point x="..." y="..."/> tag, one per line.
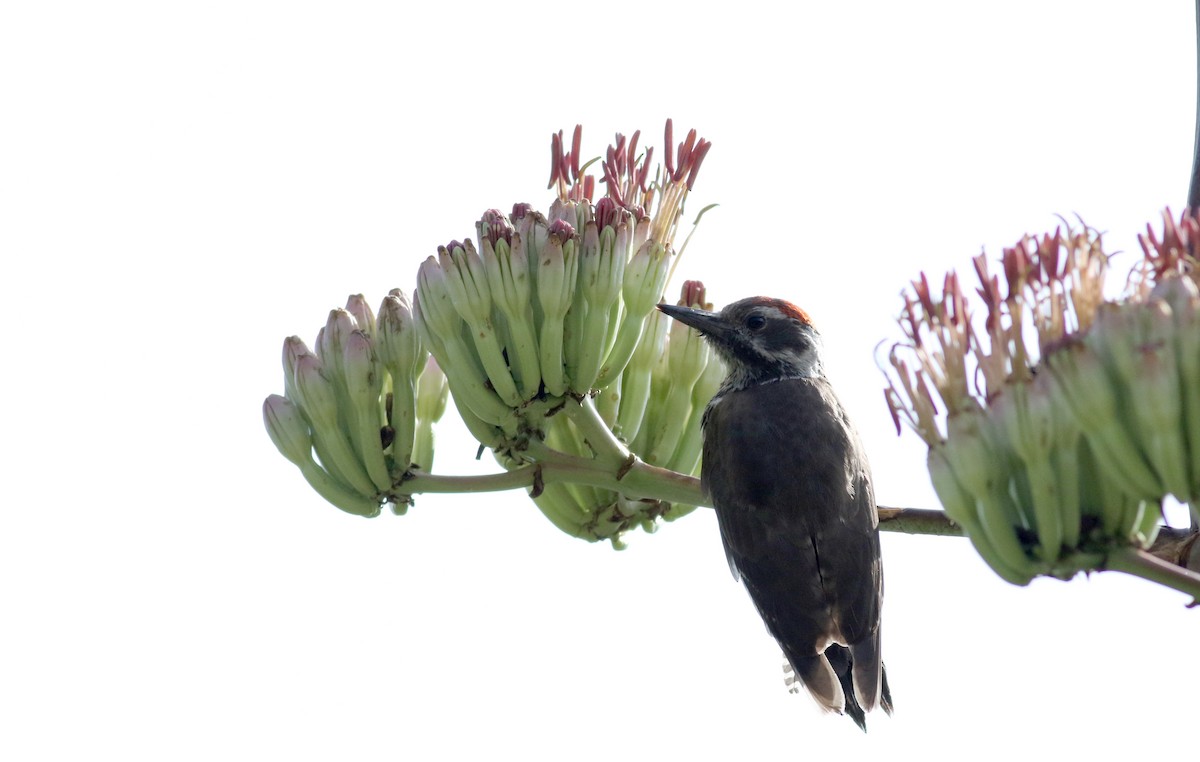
<point x="184" y="185"/>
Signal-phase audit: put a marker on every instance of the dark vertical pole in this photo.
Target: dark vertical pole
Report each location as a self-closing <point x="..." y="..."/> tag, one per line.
<point x="1193" y="199"/>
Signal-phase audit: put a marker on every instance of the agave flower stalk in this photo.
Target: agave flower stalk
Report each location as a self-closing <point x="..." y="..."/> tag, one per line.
<point x="1066" y="448"/>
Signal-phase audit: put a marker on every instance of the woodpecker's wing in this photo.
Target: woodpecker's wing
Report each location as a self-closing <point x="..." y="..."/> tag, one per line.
<point x="799" y="525"/>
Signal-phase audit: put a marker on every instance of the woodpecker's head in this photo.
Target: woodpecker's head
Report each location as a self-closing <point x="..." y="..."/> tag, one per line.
<point x="760" y="339"/>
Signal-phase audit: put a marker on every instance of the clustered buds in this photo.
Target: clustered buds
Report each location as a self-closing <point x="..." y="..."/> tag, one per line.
<point x="543" y="307"/>
<point x="351" y="417"/>
<point x="1055" y="432"/>
<point x="535" y="314"/>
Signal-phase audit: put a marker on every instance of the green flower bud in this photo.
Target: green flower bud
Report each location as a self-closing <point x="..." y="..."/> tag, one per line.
<point x="1155" y="392"/>
<point x="287" y="429"/>
<point x="401" y="352"/>
<point x="1023" y="415"/>
<point x="432" y="393"/>
<point x="364" y="383"/>
<point x="441" y="330"/>
<point x="557" y="272"/>
<point x="985" y="471"/>
<point x="601" y="270"/>
<point x="960" y="506"/>
<point x="1090" y="394"/>
<point x="331" y="340"/>
<point x="467" y="285"/>
<point x="642" y="283"/>
<point x="1183" y="297"/>
<point x="511" y="285"/>
<point x="637" y="378"/>
<point x="399" y="343"/>
<point x="686" y="358"/>
<point x="686" y="459"/>
<point x="357" y="306"/>
<point x="293" y="349"/>
<point x="318" y="399"/>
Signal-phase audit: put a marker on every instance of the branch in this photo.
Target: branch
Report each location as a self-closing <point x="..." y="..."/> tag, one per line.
<point x="1164" y="562"/>
<point x="917" y="521"/>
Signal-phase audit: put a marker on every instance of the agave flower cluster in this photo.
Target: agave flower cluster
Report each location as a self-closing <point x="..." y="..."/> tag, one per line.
<point x="545" y="328"/>
<point x="364" y="403"/>
<point x="1056" y="431"/>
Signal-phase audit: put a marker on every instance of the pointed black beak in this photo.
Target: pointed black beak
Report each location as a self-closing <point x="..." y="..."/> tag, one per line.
<point x="707" y="323"/>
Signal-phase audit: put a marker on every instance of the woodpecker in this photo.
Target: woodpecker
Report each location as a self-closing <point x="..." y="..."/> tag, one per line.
<point x="791" y="486"/>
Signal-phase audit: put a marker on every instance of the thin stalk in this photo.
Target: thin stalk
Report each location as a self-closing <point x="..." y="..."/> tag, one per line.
<point x="607" y="448"/>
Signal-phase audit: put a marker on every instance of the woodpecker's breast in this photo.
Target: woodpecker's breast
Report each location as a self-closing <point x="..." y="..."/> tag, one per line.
<point x="787" y="445"/>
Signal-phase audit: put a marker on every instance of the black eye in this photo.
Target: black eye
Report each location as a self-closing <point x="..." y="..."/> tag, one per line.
<point x="756" y="322"/>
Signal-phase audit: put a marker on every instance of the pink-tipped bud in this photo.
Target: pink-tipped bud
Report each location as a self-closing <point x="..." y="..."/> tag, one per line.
<point x="693" y="294"/>
<point x="561" y="229"/>
<point x="357" y="306"/>
<point x="494" y="226"/>
<point x="519" y="211"/>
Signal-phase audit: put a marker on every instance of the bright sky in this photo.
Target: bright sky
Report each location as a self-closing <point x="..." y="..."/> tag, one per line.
<point x="183" y="187"/>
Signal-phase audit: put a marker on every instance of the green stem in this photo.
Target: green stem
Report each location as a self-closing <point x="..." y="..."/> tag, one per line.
<point x="599" y="437"/>
<point x="1139" y="563"/>
<point x="640" y="481"/>
<point x="418" y="482"/>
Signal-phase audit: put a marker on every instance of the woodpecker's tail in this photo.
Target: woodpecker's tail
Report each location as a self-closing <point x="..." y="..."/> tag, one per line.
<point x="829" y="678"/>
<point x="818" y="676"/>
